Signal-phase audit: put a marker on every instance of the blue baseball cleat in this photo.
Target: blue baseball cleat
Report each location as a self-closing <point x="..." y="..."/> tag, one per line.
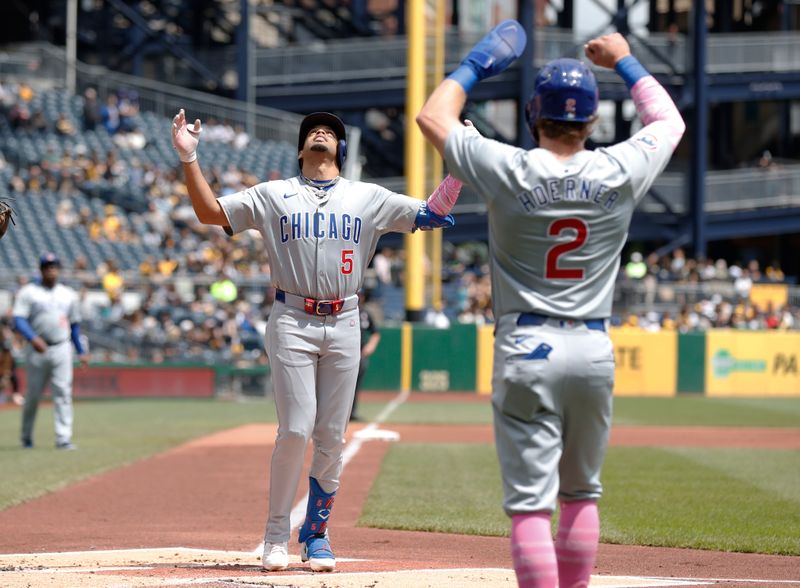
<point x="317" y="552"/>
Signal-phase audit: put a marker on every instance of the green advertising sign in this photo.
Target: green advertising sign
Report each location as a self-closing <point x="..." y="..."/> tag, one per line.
<point x="724" y="364"/>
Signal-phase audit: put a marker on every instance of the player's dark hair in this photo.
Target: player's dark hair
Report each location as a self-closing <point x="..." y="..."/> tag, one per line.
<point x="570" y="131"/>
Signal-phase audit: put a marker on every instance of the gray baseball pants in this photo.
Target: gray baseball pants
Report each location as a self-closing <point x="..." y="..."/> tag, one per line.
<point x="552" y="411"/>
<point x="314" y="362"/>
<point x="54" y="366"/>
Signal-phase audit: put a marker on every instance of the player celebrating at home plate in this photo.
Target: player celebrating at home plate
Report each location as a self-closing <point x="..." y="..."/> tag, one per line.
<point x="558" y="220"/>
<point x="320" y="231"/>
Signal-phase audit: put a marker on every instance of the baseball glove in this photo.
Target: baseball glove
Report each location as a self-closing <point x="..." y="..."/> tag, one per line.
<point x="6" y="217"/>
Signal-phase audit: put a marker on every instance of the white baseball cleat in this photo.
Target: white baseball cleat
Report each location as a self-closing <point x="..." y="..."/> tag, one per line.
<point x="276" y="557"/>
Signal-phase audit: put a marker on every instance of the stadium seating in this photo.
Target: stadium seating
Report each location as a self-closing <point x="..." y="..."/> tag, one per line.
<point x="23" y="148"/>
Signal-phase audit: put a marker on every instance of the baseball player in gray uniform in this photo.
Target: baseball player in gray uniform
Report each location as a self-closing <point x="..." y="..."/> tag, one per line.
<point x="558" y="219"/>
<point x="47" y="314"/>
<point x="319" y="231"/>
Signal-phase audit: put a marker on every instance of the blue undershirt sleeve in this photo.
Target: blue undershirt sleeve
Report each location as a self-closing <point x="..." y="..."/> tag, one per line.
<point x="75" y="334"/>
<point x="24" y="327"/>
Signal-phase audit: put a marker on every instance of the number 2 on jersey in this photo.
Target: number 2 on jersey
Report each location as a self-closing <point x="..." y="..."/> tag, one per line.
<point x="555" y="229"/>
<point x="347" y="261"/>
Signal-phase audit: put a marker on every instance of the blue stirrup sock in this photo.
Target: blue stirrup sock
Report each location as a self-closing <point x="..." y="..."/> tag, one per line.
<point x="317" y="511"/>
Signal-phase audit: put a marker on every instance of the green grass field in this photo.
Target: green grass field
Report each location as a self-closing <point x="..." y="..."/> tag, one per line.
<point x="680" y="411"/>
<point x="109" y="434"/>
<point x="728" y="499"/>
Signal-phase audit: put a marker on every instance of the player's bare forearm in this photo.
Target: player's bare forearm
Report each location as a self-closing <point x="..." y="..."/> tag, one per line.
<point x="371" y="345"/>
<point x="440" y="113"/>
<point x="206" y="207"/>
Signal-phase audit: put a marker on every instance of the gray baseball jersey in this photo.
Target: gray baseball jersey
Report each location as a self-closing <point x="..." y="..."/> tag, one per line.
<point x="50" y="313"/>
<point x="557" y="228"/>
<point x="319" y="242"/>
<point x="556" y="231"/>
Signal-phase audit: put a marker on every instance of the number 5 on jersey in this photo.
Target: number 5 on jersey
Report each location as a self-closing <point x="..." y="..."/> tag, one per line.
<point x="347" y="261"/>
<point x="558" y="226"/>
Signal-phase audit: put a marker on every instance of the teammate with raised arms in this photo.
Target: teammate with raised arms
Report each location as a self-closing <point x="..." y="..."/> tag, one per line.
<point x="320" y="231"/>
<point x="558" y="220"/>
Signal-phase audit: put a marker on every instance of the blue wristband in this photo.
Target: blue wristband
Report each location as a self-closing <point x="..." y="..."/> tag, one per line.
<point x="465" y="76"/>
<point x="75" y="334"/>
<point x="630" y="70"/>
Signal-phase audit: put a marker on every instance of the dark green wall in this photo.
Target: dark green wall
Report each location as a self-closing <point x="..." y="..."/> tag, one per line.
<point x="444" y="356"/>
<point x="383" y="372"/>
<point x="692" y="362"/>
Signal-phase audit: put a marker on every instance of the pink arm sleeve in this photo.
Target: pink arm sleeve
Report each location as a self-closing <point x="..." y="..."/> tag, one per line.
<point x="654" y="104"/>
<point x="445" y="195"/>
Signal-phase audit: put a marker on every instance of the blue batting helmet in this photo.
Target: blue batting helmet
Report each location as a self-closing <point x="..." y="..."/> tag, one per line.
<point x="565" y="89"/>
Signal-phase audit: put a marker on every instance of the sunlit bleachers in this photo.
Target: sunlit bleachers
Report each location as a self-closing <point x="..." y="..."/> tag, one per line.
<point x="37" y="230"/>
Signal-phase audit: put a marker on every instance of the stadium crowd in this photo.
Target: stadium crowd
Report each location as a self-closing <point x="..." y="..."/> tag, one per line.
<point x="209" y="321"/>
<point x="686" y="294"/>
<point x="166" y="314"/>
<point x="206" y="297"/>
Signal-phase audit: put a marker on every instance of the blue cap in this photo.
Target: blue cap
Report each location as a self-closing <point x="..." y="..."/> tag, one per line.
<point x="49" y="258"/>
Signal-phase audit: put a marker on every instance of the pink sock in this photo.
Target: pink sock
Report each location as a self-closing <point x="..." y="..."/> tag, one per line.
<point x="532" y="550"/>
<point x="576" y="542"/>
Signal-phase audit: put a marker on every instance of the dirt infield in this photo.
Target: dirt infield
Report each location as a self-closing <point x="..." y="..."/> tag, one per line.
<point x="194" y="515"/>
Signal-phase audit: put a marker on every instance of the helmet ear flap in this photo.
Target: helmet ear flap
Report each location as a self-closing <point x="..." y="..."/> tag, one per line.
<point x="341" y="153"/>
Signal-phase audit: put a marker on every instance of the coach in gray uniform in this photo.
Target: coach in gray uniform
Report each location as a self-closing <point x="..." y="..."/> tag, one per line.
<point x="319" y="232"/>
<point x="558" y="220"/>
<point x="47" y="314"/>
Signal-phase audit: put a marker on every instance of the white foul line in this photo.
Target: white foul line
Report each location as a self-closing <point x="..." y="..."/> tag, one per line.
<point x="298" y="513"/>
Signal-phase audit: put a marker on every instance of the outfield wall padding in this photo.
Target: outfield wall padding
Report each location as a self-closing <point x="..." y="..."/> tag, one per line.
<point x="646" y="363"/>
<point x="485" y="359"/>
<point x="444" y="359"/>
<point x="714" y="363"/>
<point x="124" y="381"/>
<point x="747" y="363"/>
<point x="692" y="363"/>
<point x="383" y="372"/>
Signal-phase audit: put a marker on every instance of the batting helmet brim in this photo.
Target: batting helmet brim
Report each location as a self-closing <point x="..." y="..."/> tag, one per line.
<point x="316" y="119"/>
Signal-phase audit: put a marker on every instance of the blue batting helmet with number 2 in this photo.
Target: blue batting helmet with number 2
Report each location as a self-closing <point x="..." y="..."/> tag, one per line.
<point x="565" y="89"/>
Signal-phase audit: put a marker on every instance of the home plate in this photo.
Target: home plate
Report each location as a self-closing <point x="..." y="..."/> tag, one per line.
<point x="637" y="581"/>
<point x="199" y="568"/>
<point x="377" y="434"/>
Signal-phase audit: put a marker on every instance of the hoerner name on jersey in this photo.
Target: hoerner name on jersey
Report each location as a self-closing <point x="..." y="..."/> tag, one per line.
<point x="568" y="189"/>
<point x="319" y="225"/>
